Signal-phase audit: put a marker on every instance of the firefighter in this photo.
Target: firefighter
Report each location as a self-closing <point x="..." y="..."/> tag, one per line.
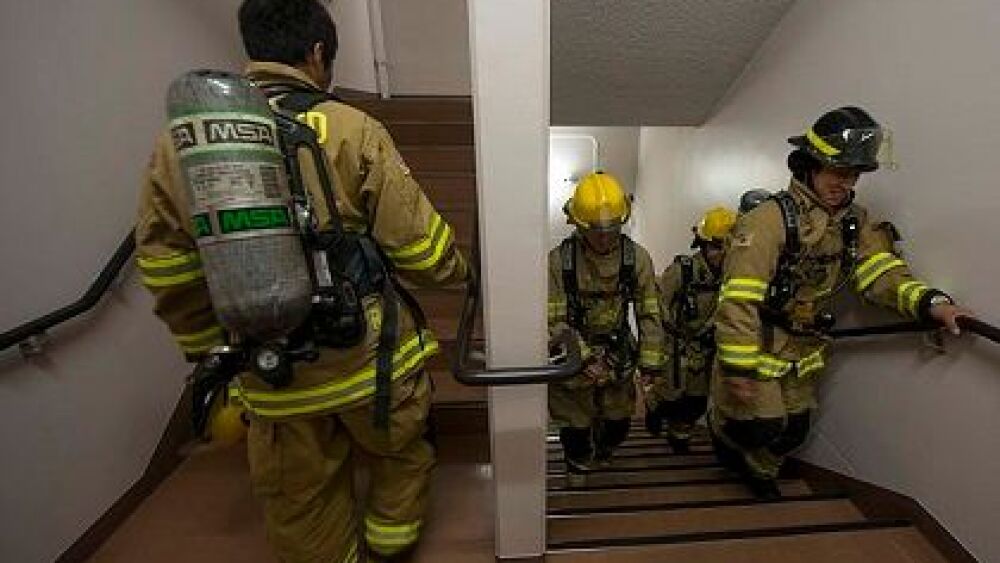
<point x="689" y="290"/>
<point x="787" y="259"/>
<point x="596" y="277"/>
<point x="305" y="439"/>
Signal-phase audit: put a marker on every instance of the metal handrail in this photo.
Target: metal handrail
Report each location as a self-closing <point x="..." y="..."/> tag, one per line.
<point x="31" y="329"/>
<point x="553" y="373"/>
<point x="969" y="324"/>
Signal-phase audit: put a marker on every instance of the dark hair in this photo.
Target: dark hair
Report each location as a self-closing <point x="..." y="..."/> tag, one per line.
<point x="285" y="31"/>
<point x="802" y="165"/>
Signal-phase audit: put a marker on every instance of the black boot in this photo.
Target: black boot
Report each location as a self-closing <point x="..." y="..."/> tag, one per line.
<point x="762" y="489"/>
<point x="654" y="421"/>
<point x="680" y="446"/>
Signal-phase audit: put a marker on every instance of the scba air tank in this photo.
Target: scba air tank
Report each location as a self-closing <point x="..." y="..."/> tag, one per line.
<point x="251" y="252"/>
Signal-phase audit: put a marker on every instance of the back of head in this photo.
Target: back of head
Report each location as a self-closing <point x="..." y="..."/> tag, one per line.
<point x="285" y="31"/>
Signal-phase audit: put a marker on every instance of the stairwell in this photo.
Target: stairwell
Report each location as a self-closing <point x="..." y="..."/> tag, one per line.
<point x="650" y="505"/>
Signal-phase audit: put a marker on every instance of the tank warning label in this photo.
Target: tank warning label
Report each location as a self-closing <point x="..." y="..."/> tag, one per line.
<point x="254" y="219"/>
<point x="222" y="184"/>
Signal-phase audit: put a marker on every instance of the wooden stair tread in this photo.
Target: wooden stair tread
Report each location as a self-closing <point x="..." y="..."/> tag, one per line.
<point x="885" y="545"/>
<point x="610" y="498"/>
<point x="784" y="513"/>
<point x="644" y="477"/>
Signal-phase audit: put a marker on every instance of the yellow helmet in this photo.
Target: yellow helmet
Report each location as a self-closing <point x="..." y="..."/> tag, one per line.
<point x="226" y="426"/>
<point x="715" y="224"/>
<point x="598" y="202"/>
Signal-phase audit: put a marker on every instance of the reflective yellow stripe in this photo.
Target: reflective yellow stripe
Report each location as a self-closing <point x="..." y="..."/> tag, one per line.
<point x="341" y="391"/>
<point x="352" y="555"/>
<point x="740" y="355"/>
<point x="771" y="367"/>
<point x="812" y="362"/>
<point x="169" y="261"/>
<point x="389" y="539"/>
<point x="557" y="310"/>
<point x="909" y="295"/>
<point x="437" y="244"/>
<point x="743" y="289"/>
<point x="175" y="269"/>
<point x="651" y="306"/>
<point x="421" y="245"/>
<point x="202" y="341"/>
<point x="167" y="281"/>
<point x="821" y="145"/>
<point x="652" y="358"/>
<point x="873" y="268"/>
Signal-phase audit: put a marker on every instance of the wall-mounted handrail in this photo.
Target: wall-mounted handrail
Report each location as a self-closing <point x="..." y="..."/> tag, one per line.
<point x="90" y="298"/>
<point x="969" y="324"/>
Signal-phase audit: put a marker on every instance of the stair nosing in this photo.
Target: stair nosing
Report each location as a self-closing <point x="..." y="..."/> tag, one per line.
<point x="579" y="513"/>
<point x="649" y="485"/>
<point x="611" y="470"/>
<point x="700" y="537"/>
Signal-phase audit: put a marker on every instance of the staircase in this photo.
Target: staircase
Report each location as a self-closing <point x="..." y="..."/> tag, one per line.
<point x="653" y="505"/>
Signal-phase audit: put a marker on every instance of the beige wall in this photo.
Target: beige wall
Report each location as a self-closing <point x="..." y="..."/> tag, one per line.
<point x="427" y="46"/>
<point x="83" y="91"/>
<point x="892" y="414"/>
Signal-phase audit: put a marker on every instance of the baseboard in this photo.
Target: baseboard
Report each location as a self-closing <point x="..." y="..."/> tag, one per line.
<point x="881" y="503"/>
<point x="164" y="461"/>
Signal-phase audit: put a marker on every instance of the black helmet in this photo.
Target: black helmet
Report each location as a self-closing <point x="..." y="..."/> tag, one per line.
<point x="753" y="198"/>
<point x="844" y="137"/>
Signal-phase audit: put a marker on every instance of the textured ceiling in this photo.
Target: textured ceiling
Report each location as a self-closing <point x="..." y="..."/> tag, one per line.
<point x="651" y="62"/>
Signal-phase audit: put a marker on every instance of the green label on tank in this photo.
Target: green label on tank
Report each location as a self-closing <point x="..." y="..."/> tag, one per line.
<point x="254" y="219"/>
<point x="202" y="226"/>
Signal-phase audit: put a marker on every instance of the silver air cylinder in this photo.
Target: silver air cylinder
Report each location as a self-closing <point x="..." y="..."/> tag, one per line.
<point x="239" y="201"/>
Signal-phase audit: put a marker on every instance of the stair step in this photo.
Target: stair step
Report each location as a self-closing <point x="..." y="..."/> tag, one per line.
<point x="410" y="108"/>
<point x="450" y="193"/>
<point x="570" y="501"/>
<point x="558" y="469"/>
<point x="555" y="454"/>
<point x="423" y="132"/>
<point x="652" y="446"/>
<point x="875" y="542"/>
<point x="429" y="159"/>
<point x="596" y="529"/>
<point x="648" y="478"/>
<point x="633" y="463"/>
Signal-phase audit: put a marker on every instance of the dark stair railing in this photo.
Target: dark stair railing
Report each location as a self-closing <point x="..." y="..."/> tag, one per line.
<point x="26" y="335"/>
<point x="969" y="324"/>
<point x="570" y="364"/>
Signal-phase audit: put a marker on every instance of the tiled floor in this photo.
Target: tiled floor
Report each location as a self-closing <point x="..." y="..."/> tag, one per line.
<point x="204" y="513"/>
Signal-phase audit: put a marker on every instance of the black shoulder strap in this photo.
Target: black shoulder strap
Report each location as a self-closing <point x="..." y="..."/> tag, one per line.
<point x="571" y="285"/>
<point x="790" y="216"/>
<point x="686" y="297"/>
<point x="627" y="278"/>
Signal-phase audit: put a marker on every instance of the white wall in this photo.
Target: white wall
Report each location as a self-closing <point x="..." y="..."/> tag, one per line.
<point x="427" y="46"/>
<point x="577" y="151"/>
<point x="925" y="426"/>
<point x="354" y="66"/>
<point x="83" y="95"/>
